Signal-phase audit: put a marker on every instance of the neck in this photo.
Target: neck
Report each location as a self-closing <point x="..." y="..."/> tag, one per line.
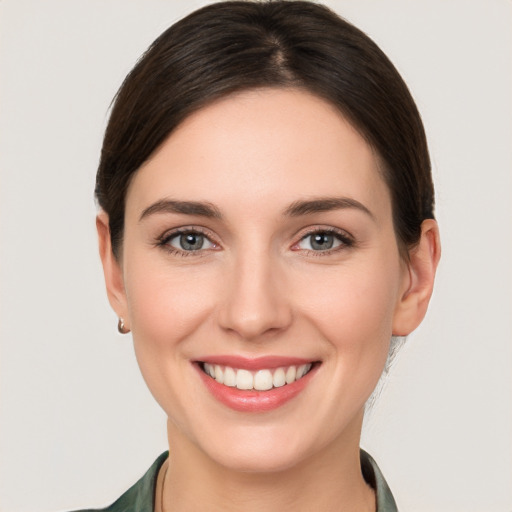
<point x="329" y="481"/>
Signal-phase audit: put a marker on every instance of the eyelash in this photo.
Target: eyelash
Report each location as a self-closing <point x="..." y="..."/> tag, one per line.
<point x="347" y="241"/>
<point x="163" y="241"/>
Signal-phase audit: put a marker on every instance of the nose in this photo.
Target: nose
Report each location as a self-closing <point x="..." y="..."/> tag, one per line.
<point x="256" y="303"/>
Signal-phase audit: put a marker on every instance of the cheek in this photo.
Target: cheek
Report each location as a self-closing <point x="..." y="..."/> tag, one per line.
<point x="166" y="308"/>
<point x="353" y="312"/>
<point x="166" y="305"/>
<point x="352" y="303"/>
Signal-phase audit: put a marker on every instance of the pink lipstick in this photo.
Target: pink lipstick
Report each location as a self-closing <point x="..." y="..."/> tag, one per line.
<point x="255" y="384"/>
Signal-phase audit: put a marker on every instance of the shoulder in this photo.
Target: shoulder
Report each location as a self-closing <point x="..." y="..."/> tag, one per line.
<point x="139" y="497"/>
<point x="374" y="477"/>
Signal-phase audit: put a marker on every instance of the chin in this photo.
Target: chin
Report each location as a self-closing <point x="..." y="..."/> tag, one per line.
<point x="259" y="448"/>
<point x="269" y="458"/>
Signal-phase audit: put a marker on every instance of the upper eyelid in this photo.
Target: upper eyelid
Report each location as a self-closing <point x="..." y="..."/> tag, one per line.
<point x="304" y="232"/>
<point x="170" y="233"/>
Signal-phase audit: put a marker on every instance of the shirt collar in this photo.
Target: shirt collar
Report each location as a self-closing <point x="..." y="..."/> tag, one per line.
<point x="141" y="496"/>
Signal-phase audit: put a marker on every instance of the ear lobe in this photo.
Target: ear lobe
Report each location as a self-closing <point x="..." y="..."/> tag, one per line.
<point x="111" y="269"/>
<point x="422" y="265"/>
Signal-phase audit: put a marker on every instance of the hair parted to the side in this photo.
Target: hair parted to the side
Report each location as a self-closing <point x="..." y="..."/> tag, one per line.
<point x="238" y="45"/>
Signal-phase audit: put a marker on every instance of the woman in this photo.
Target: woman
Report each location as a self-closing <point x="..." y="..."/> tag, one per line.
<point x="266" y="226"/>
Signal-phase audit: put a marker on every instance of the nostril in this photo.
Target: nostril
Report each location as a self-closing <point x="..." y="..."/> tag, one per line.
<point x="255" y="323"/>
<point x="255" y="304"/>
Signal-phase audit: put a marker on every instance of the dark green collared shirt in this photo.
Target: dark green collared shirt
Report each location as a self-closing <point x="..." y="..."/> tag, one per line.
<point x="141" y="496"/>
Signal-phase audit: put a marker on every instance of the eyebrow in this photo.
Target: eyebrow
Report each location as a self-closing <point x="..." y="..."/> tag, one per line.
<point x="295" y="209"/>
<point x="198" y="208"/>
<point x="325" y="204"/>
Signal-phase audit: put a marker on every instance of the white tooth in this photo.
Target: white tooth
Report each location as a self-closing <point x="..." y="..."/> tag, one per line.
<point x="212" y="371"/>
<point x="279" y="378"/>
<point x="219" y="374"/>
<point x="229" y="377"/>
<point x="301" y="370"/>
<point x="206" y="367"/>
<point x="244" y="379"/>
<point x="290" y="374"/>
<point x="263" y="380"/>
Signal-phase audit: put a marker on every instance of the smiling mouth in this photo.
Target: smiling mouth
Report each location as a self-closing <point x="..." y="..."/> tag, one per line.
<point x="255" y="385"/>
<point x="260" y="380"/>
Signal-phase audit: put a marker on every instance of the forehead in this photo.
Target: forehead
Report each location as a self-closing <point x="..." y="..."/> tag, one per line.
<point x="262" y="146"/>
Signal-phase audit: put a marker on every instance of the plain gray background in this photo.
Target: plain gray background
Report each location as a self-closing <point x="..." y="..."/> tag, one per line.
<point x="77" y="425"/>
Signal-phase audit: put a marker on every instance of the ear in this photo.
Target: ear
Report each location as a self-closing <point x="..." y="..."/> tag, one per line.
<point x="418" y="286"/>
<point x="112" y="270"/>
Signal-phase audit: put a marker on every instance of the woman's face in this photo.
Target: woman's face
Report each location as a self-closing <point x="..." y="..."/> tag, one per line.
<point x="259" y="239"/>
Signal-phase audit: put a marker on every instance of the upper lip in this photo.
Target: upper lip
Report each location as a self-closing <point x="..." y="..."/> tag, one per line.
<point x="254" y="363"/>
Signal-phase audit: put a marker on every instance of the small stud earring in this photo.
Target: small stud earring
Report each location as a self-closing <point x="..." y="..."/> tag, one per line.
<point x="121" y="327"/>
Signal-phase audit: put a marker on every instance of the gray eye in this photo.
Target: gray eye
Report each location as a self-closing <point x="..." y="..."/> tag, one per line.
<point x="190" y="242"/>
<point x="321" y="241"/>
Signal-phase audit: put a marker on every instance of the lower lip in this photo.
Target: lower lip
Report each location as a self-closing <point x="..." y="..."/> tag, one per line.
<point x="251" y="400"/>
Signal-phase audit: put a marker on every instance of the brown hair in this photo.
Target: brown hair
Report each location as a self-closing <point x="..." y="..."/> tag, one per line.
<point x="232" y="46"/>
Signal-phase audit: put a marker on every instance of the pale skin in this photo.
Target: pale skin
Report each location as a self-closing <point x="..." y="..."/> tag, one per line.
<point x="255" y="285"/>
